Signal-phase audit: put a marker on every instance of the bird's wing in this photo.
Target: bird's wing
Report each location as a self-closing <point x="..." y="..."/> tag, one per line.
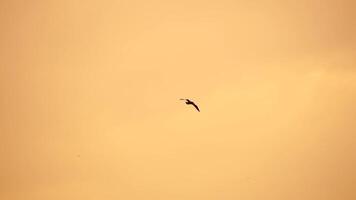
<point x="196" y="106"/>
<point x="182" y="99"/>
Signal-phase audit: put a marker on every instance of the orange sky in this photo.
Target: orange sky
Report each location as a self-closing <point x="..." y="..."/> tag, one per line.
<point x="90" y="100"/>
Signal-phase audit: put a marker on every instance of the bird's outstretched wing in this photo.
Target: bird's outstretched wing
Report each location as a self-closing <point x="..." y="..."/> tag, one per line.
<point x="196" y="106"/>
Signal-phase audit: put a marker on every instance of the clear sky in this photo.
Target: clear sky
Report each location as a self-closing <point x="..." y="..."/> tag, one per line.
<point x="90" y="100"/>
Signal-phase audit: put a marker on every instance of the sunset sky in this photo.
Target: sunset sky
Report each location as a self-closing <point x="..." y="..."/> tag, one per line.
<point x="90" y="104"/>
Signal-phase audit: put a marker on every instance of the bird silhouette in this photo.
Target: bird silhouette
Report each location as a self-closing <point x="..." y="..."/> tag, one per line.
<point x="189" y="102"/>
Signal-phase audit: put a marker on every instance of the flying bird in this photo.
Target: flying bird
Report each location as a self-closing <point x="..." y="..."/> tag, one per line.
<point x="189" y="102"/>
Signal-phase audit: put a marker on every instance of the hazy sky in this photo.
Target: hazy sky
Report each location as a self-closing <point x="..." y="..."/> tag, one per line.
<point x="90" y="100"/>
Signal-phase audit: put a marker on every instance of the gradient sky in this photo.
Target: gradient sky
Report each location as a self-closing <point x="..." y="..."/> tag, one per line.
<point x="90" y="100"/>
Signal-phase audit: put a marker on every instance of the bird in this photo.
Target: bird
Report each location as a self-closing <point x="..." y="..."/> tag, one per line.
<point x="189" y="102"/>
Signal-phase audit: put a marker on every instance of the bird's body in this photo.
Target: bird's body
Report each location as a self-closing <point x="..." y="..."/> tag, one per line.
<point x="189" y="102"/>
